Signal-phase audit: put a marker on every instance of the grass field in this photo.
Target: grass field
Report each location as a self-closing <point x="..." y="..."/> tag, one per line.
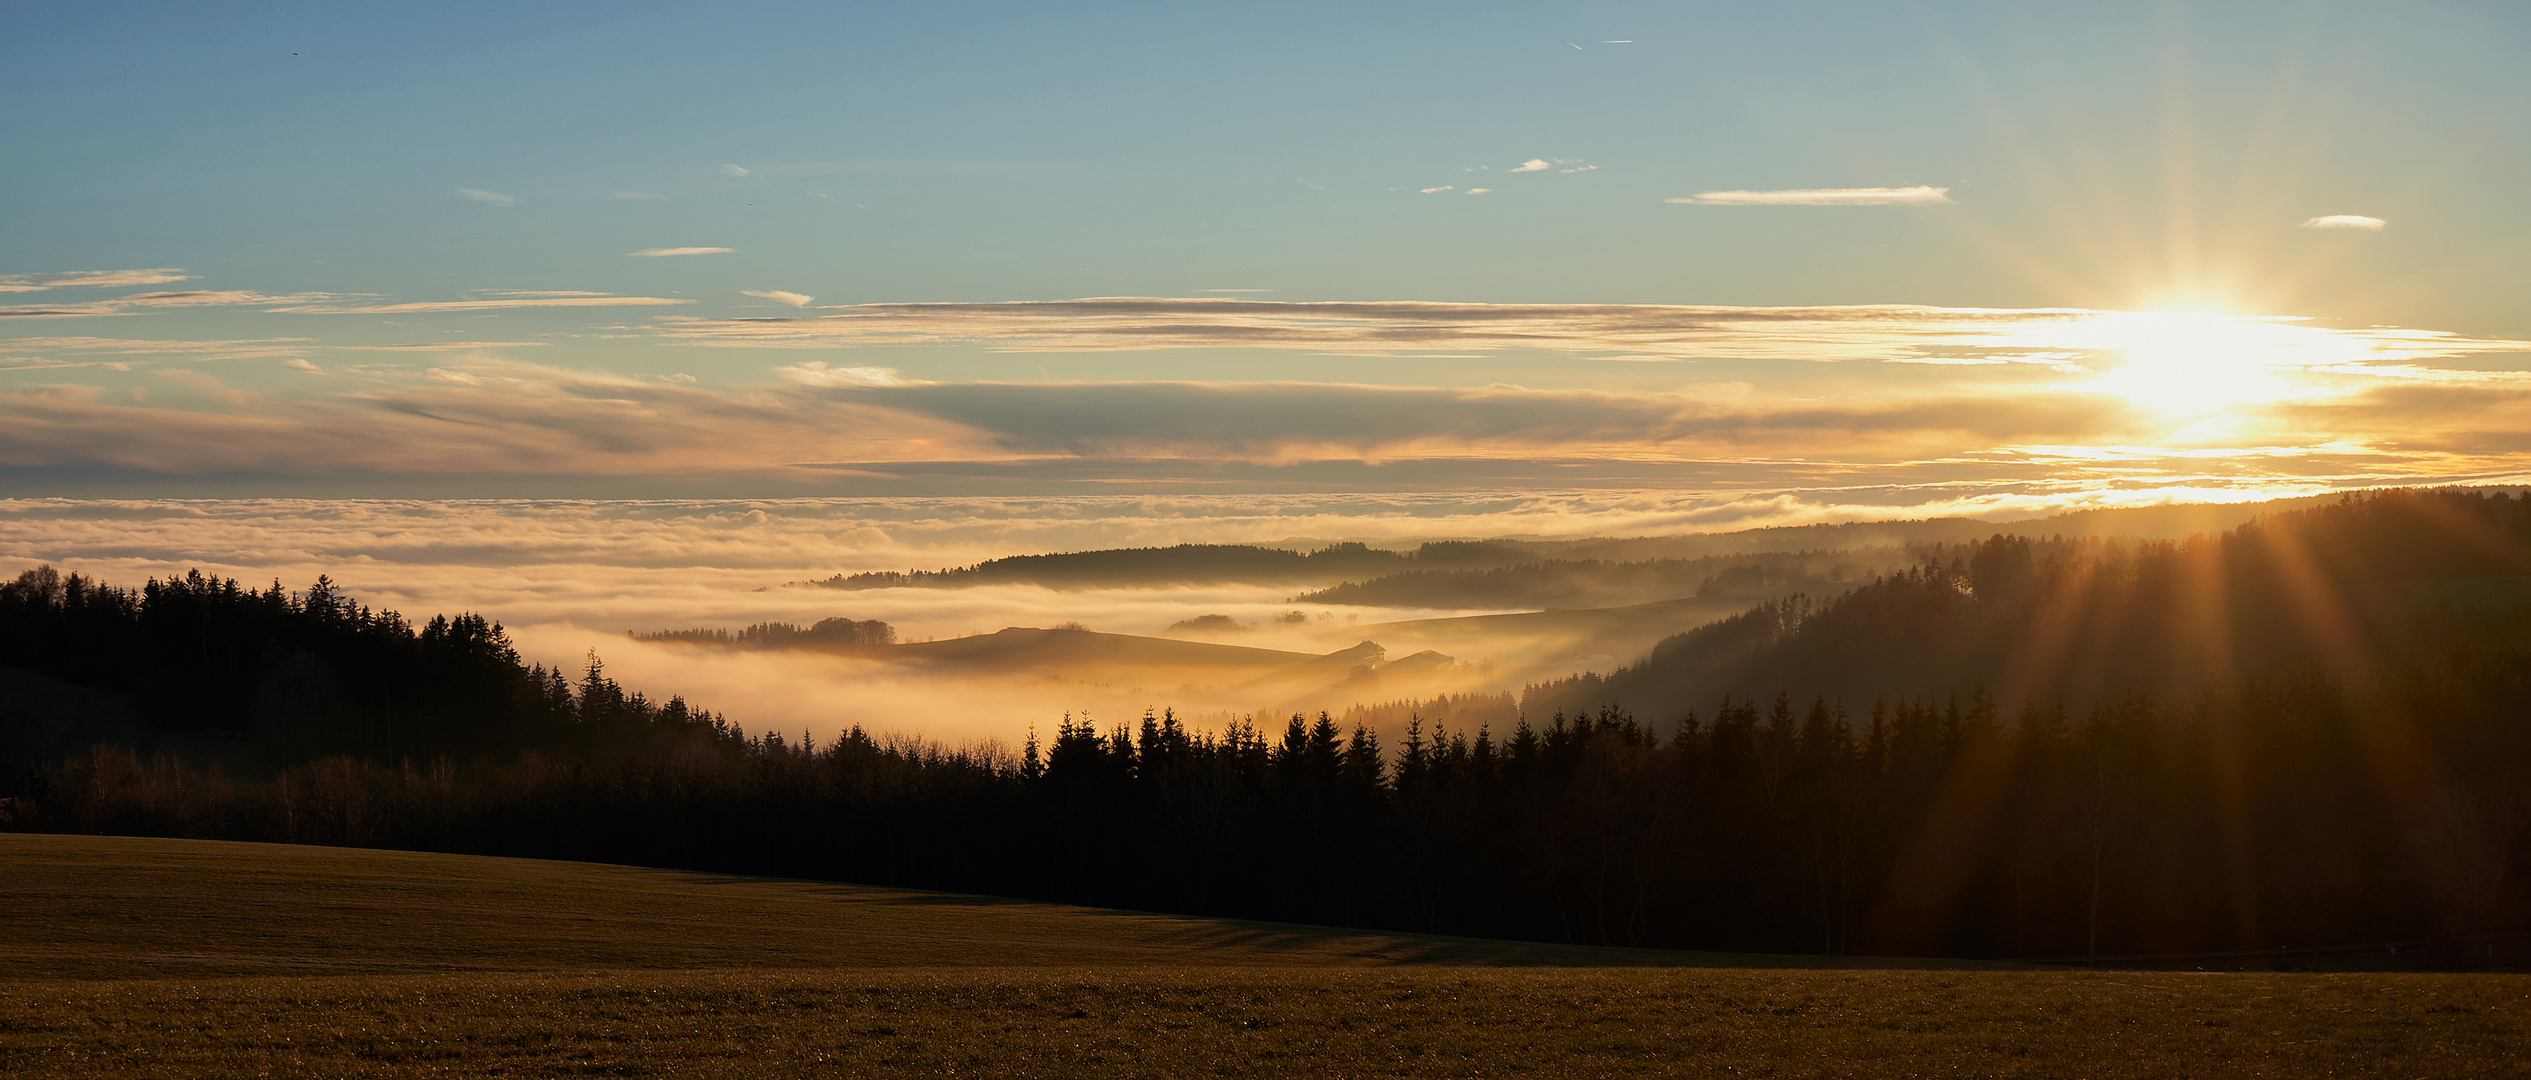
<point x="134" y="957"/>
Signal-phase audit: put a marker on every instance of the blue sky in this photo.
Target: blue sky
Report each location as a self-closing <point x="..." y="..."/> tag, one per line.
<point x="270" y="193"/>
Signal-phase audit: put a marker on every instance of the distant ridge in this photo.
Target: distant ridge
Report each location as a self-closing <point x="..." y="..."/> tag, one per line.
<point x="1180" y="563"/>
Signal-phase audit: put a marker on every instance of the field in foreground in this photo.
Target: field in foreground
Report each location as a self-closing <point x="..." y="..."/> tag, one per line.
<point x="180" y="958"/>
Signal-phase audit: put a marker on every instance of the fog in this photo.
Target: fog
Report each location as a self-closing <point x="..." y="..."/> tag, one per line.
<point x="569" y="577"/>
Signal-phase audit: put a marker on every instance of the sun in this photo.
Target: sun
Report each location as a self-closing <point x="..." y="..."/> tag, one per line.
<point x="2195" y="364"/>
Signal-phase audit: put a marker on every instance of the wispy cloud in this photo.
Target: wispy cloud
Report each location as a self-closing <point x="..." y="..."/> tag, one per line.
<point x="500" y="304"/>
<point x="639" y="196"/>
<point x="1439" y="190"/>
<point x="1917" y="426"/>
<point x="493" y="197"/>
<point x="737" y="170"/>
<point x="653" y="253"/>
<point x="2346" y="222"/>
<point x="1479" y="190"/>
<point x="1883" y="196"/>
<point x="1560" y="165"/>
<point x="61" y="311"/>
<point x="440" y="346"/>
<point x="215" y="298"/>
<point x="1638" y="331"/>
<point x="245" y="347"/>
<point x="525" y="419"/>
<point x="75" y="279"/>
<point x="2067" y="340"/>
<point x="483" y="418"/>
<point x="135" y="303"/>
<point x="1313" y="186"/>
<point x="816" y="373"/>
<point x="797" y="300"/>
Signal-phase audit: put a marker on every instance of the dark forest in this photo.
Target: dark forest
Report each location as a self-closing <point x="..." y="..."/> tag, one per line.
<point x="2313" y="730"/>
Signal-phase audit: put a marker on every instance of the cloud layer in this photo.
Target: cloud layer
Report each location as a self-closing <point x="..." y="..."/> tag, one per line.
<point x="1610" y="331"/>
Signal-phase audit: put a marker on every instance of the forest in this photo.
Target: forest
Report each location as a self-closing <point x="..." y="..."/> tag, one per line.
<point x="1570" y="583"/>
<point x="835" y="633"/>
<point x="2311" y="730"/>
<point x="1178" y="564"/>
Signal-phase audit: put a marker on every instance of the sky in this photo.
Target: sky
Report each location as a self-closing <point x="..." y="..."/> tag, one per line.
<point x="1935" y="252"/>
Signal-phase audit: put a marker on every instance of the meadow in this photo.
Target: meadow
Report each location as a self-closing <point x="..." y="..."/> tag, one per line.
<point x="155" y="957"/>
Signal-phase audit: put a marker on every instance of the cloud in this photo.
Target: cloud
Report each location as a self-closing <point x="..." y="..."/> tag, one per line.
<point x="493" y="197"/>
<point x="816" y="373"/>
<point x="1479" y="190"/>
<point x="2346" y="222"/>
<point x="639" y="196"/>
<point x="653" y="253"/>
<point x="440" y="346"/>
<point x="209" y="386"/>
<point x="215" y="349"/>
<point x="1438" y="190"/>
<point x="502" y="304"/>
<point x="736" y="170"/>
<point x="488" y="418"/>
<point x="60" y="311"/>
<point x="1395" y="327"/>
<point x="1313" y="186"/>
<point x="798" y="300"/>
<point x="215" y="298"/>
<point x="297" y="364"/>
<point x="1282" y="422"/>
<point x="1561" y="165"/>
<point x="507" y="418"/>
<point x="76" y="279"/>
<point x="1906" y="196"/>
<point x="15" y="363"/>
<point x="126" y="305"/>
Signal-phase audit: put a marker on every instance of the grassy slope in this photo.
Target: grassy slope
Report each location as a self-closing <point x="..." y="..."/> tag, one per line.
<point x="89" y="907"/>
<point x="180" y="958"/>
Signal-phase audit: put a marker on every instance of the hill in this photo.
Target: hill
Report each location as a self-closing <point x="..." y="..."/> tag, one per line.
<point x="1180" y="564"/>
<point x="1586" y="583"/>
<point x="2346" y="588"/>
<point x="95" y="907"/>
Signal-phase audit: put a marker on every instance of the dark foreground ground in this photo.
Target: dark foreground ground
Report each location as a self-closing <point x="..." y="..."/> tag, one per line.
<point x="128" y="957"/>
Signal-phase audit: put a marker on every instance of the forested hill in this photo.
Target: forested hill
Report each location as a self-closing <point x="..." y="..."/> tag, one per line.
<point x="1588" y="583"/>
<point x="1184" y="563"/>
<point x="2376" y="800"/>
<point x="263" y="679"/>
<point x="2374" y="579"/>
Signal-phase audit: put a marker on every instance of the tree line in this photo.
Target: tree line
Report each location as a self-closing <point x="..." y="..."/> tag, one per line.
<point x="1179" y="563"/>
<point x="2267" y="804"/>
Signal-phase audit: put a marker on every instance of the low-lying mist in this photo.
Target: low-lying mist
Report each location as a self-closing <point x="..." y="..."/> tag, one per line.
<point x="568" y="577"/>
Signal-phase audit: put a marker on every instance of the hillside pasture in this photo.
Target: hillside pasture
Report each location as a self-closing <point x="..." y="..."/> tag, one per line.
<point x="139" y="957"/>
